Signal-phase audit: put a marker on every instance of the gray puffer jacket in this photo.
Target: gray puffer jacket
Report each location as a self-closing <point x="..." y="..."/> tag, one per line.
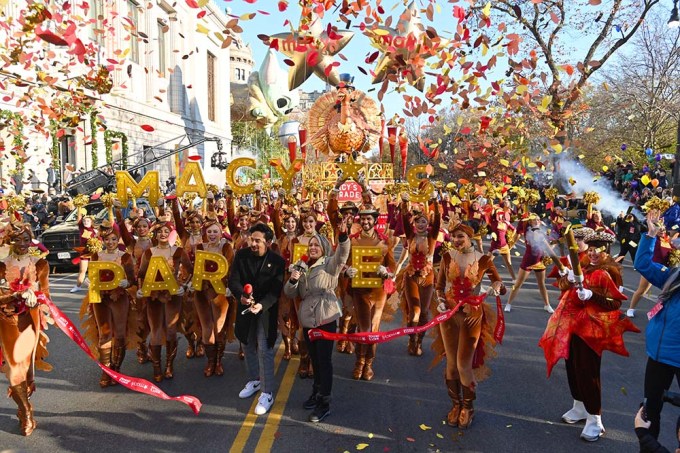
<point x="316" y="288"/>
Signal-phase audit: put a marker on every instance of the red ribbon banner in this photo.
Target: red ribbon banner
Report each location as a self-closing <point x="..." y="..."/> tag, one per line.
<point x="132" y="383"/>
<point x="383" y="337"/>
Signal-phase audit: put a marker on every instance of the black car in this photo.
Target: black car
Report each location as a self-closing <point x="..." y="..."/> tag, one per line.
<point x="61" y="239"/>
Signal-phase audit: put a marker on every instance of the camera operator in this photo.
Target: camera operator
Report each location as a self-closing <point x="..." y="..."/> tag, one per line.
<point x="648" y="443"/>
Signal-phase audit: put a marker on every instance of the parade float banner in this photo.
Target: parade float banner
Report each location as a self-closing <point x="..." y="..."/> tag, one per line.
<point x="129" y="382"/>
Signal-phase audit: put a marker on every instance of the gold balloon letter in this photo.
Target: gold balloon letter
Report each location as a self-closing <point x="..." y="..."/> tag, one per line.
<point x="419" y="195"/>
<point x="94" y="272"/>
<point x="184" y="183"/>
<point x="150" y="181"/>
<point x="287" y="174"/>
<point x="363" y="266"/>
<point x="214" y="277"/>
<point x="165" y="282"/>
<point x="235" y="164"/>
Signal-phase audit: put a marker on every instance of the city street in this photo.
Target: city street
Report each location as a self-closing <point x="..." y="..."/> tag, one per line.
<point x="402" y="409"/>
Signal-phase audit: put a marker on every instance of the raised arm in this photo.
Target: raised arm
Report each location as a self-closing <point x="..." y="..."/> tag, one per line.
<point x="179" y="222"/>
<point x="406" y="220"/>
<point x="437" y="223"/>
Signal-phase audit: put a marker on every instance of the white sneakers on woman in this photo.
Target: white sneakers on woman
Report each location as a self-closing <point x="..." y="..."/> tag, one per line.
<point x="576" y="414"/>
<point x="593" y="428"/>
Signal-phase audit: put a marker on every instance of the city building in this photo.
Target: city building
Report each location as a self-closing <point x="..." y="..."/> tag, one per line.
<point x="166" y="90"/>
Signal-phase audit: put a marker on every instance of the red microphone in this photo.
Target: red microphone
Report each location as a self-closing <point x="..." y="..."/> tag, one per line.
<point x="248" y="294"/>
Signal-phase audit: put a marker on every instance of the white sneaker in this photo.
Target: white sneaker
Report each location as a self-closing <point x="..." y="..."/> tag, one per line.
<point x="593" y="429"/>
<point x="75" y="289"/>
<point x="549" y="309"/>
<point x="576" y="414"/>
<point x="507" y="308"/>
<point x="264" y="403"/>
<point x="251" y="388"/>
<point x="630" y="312"/>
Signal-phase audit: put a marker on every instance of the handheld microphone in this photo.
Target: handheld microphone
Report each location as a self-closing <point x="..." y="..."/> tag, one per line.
<point x="248" y="294"/>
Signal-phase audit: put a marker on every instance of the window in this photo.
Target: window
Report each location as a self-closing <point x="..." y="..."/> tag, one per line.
<point x="211" y="86"/>
<point x="162" y="64"/>
<point x="96" y="15"/>
<point x="133" y="15"/>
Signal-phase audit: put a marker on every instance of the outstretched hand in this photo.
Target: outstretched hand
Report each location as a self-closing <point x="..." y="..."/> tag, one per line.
<point x="653" y="217"/>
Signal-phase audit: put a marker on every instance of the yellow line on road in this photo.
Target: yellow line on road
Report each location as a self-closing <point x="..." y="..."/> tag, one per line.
<point x="268" y="433"/>
<point x="248" y="424"/>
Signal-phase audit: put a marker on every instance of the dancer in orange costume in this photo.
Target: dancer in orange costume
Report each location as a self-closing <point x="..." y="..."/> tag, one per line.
<point x="20" y="319"/>
<point x="468" y="334"/>
<point x="416" y="281"/>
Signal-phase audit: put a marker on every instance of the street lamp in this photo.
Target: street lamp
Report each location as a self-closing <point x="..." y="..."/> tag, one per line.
<point x="674" y="21"/>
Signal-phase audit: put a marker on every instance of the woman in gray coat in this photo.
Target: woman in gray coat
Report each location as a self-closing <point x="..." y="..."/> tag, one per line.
<point x="319" y="309"/>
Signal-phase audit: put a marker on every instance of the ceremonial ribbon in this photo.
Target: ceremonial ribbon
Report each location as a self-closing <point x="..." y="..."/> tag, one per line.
<point x="383" y="337"/>
<point x="132" y="383"/>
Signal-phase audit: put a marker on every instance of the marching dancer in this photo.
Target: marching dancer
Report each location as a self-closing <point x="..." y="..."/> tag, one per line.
<point x="586" y="323"/>
<point x="471" y="327"/>
<point x="20" y="319"/>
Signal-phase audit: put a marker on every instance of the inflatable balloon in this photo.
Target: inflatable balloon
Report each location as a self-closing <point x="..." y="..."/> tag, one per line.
<point x="649" y="151"/>
<point x="655" y="182"/>
<point x="266" y="98"/>
<point x="658" y="157"/>
<point x="312" y="50"/>
<point x="624" y="147"/>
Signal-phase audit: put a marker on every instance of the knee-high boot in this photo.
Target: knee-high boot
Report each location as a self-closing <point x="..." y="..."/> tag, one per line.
<point x="200" y="348"/>
<point x="467" y="413"/>
<point x="454" y="390"/>
<point x="344" y="327"/>
<point x="118" y="356"/>
<point x="219" y="371"/>
<point x="156" y="362"/>
<point x="142" y="353"/>
<point x="360" y="362"/>
<point x="368" y="374"/>
<point x="105" y="359"/>
<point x="19" y="394"/>
<point x="305" y="360"/>
<point x="411" y="349"/>
<point x="191" y="346"/>
<point x="419" y="344"/>
<point x="211" y="354"/>
<point x="287" y="353"/>
<point x="170" y="354"/>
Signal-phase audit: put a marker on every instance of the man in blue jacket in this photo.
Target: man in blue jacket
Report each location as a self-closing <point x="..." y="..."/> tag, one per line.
<point x="663" y="330"/>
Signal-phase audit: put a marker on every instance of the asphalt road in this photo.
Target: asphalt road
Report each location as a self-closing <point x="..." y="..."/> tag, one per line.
<point x="402" y="410"/>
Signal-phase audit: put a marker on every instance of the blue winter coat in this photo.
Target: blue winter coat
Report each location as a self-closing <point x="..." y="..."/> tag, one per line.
<point x="663" y="330"/>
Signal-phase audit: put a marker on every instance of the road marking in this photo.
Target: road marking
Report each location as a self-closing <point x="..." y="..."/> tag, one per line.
<point x="268" y="433"/>
<point x="249" y="423"/>
<point x="63" y="278"/>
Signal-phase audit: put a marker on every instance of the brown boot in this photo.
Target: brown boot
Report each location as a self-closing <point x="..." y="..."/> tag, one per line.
<point x="454" y="389"/>
<point x="19" y="394"/>
<point x="303" y="369"/>
<point x="142" y="353"/>
<point x="117" y="356"/>
<point x="419" y="344"/>
<point x="105" y="359"/>
<point x="191" y="347"/>
<point x="467" y="413"/>
<point x="368" y="374"/>
<point x="200" y="349"/>
<point x="170" y="354"/>
<point x="294" y="346"/>
<point x="287" y="353"/>
<point x="156" y="362"/>
<point x="359" y="364"/>
<point x="411" y="345"/>
<point x="344" y="326"/>
<point x="219" y="371"/>
<point x="211" y="354"/>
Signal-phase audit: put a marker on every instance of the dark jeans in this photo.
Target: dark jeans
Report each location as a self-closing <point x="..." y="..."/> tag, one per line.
<point x="658" y="377"/>
<point x="583" y="374"/>
<point x="320" y="352"/>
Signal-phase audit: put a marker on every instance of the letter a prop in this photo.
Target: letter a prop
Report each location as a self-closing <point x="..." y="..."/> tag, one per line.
<point x="152" y="282"/>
